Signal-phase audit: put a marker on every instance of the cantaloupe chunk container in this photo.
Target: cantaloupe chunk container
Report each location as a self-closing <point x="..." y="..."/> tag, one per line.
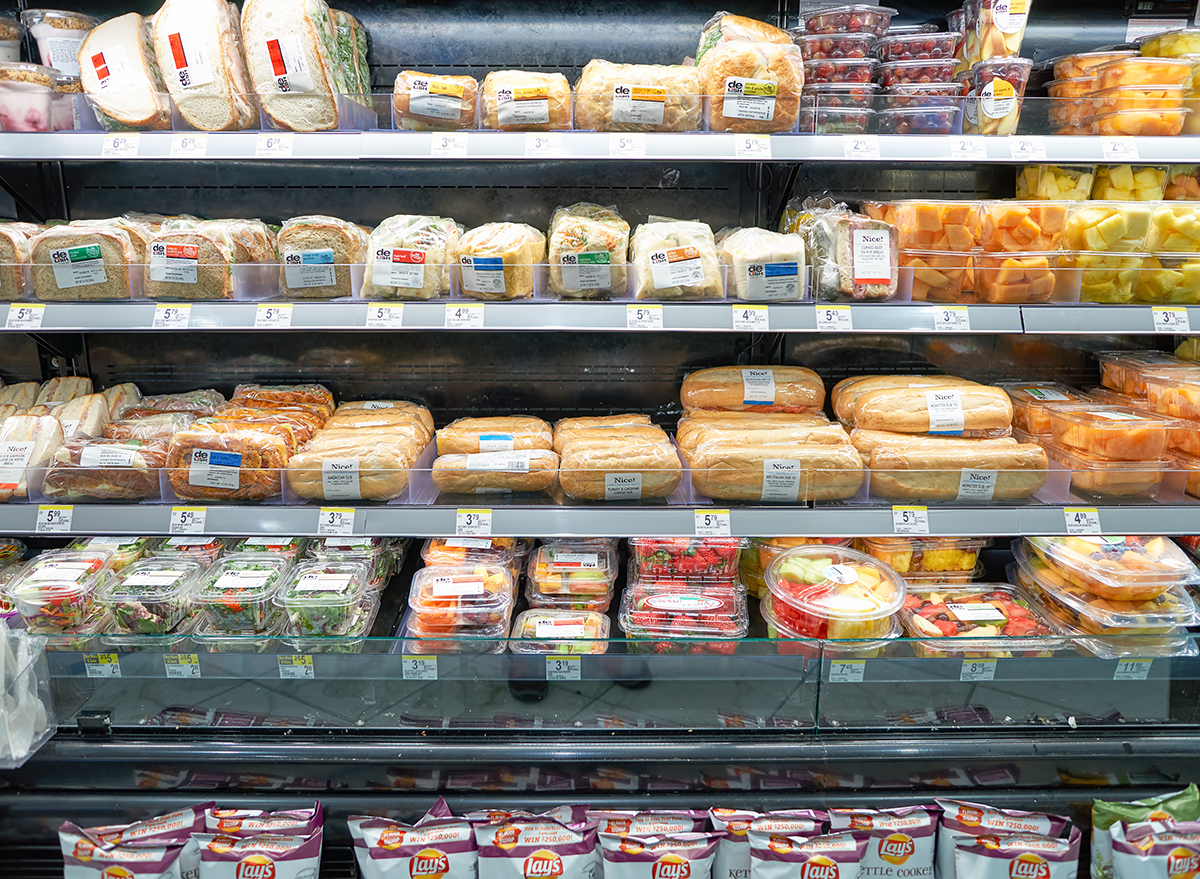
<point x="1129" y="182"/>
<point x="1183" y="181"/>
<point x="1140" y="97"/>
<point x="1138" y="123"/>
<point x="937" y="225"/>
<point x="1175" y="393"/>
<point x="938" y="276"/>
<point x="1142" y="71"/>
<point x="1112" y="432"/>
<point x="1021" y="226"/>
<point x="1015" y="278"/>
<point x="1083" y="65"/>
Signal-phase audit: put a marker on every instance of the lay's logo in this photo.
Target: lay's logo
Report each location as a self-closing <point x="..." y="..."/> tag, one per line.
<point x="543" y="864"/>
<point x="896" y="848"/>
<point x="255" y="867"/>
<point x="819" y="867"/>
<point x="115" y="873"/>
<point x="1029" y="866"/>
<point x="1183" y="863"/>
<point x="671" y="867"/>
<point x="428" y="863"/>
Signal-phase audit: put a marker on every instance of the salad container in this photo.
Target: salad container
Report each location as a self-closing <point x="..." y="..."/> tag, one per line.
<point x="374" y="552"/>
<point x="1115" y="568"/>
<point x="204" y="550"/>
<point x="124" y="551"/>
<point x="573" y="569"/>
<point x="84" y="637"/>
<point x="560" y="631"/>
<point x="150" y="597"/>
<point x="322" y="598"/>
<point x="789" y="642"/>
<point x="55" y="592"/>
<point x="238" y="592"/>
<point x="209" y="635"/>
<point x="461" y="595"/>
<point x="290" y="548"/>
<point x="975" y="622"/>
<point x="677" y="619"/>
<point x="351" y="641"/>
<point x="912" y="555"/>
<point x="713" y="558"/>
<point x="8" y="610"/>
<point x="11" y="551"/>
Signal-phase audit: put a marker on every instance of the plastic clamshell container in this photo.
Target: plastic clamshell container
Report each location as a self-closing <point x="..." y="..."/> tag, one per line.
<point x="1084" y="64"/>
<point x="1116" y="568"/>
<point x="830" y="120"/>
<point x="838" y="96"/>
<point x="598" y="603"/>
<point x="981" y="620"/>
<point x="788" y="642"/>
<point x="1138" y="123"/>
<point x="209" y="635"/>
<point x="921" y="94"/>
<point x="1171" y="44"/>
<point x="573" y="569"/>
<point x="934" y="579"/>
<point x="1107" y="226"/>
<point x="1111" y="432"/>
<point x="468" y="550"/>
<point x="322" y="597"/>
<point x="83" y="637"/>
<point x="854" y="18"/>
<point x="288" y="547"/>
<point x="1128" y="182"/>
<point x="1072" y="89"/>
<point x="1174" y="228"/>
<point x="834" y="592"/>
<point x="1175" y="393"/>
<point x="559" y="631"/>
<point x="205" y="550"/>
<point x="676" y="616"/>
<point x="55" y="591"/>
<point x="238" y="592"/>
<point x="820" y="47"/>
<point x="1142" y="71"/>
<point x="840" y="71"/>
<point x="896" y="72"/>
<point x="916" y="120"/>
<point x="911" y="555"/>
<point x="1139" y="97"/>
<point x="11" y="550"/>
<point x="1022" y="227"/>
<point x="1124" y="371"/>
<point x="423" y="639"/>
<point x="914" y="47"/>
<point x="1105" y="478"/>
<point x="1058" y="182"/>
<point x="711" y="558"/>
<point x="1015" y="278"/>
<point x="123" y="551"/>
<point x="1031" y="400"/>
<point x="938" y="276"/>
<point x="461" y="595"/>
<point x="150" y="597"/>
<point x="758" y="554"/>
<point x="1102" y="277"/>
<point x="331" y="547"/>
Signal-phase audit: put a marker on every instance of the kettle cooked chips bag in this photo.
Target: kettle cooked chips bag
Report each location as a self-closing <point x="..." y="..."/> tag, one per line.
<point x="971" y="819"/>
<point x="732" y="860"/>
<point x="1017" y="856"/>
<point x="902" y="840"/>
<point x="791" y="856"/>
<point x="1181" y="805"/>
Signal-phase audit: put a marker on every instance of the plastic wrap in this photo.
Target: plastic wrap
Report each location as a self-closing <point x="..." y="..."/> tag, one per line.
<point x="638" y="97"/>
<point x="198" y="403"/>
<point x="14" y="256"/>
<point x="588" y="251"/>
<point x="368" y="465"/>
<point x="496" y="260"/>
<point x="282" y="395"/>
<point x="243" y="464"/>
<point x="725" y="26"/>
<point x="526" y="470"/>
<point x="409" y="257"/>
<point x="469" y="436"/>
<point x="105" y="469"/>
<point x="27" y="443"/>
<point x="965" y="410"/>
<point x="764" y="265"/>
<point x="753" y="87"/>
<point x="765" y="389"/>
<point x="161" y="426"/>
<point x="433" y="102"/>
<point x="317" y="253"/>
<point x="619" y="469"/>
<point x="676" y="260"/>
<point x="520" y="100"/>
<point x="196" y="263"/>
<point x="851" y="256"/>
<point x="82" y="263"/>
<point x="121" y="77"/>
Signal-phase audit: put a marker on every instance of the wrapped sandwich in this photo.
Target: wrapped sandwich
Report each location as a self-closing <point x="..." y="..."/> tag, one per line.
<point x="851" y="256"/>
<point x="520" y="100"/>
<point x="28" y="443"/>
<point x="472" y="436"/>
<point x="104" y="469"/>
<point x="20" y="396"/>
<point x="410" y="258"/>
<point x="428" y="102"/>
<point x="61" y="389"/>
<point x="120" y="75"/>
<point x="317" y="253"/>
<point x="755" y="389"/>
<point x="588" y="250"/>
<point x="725" y="26"/>
<point x="638" y="97"/>
<point x="524" y="470"/>
<point x="353" y="68"/>
<point x="753" y="87"/>
<point x="14" y="257"/>
<point x="496" y="260"/>
<point x="74" y="262"/>
<point x="764" y="266"/>
<point x="618" y="468"/>
<point x="676" y="260"/>
<point x="194" y="263"/>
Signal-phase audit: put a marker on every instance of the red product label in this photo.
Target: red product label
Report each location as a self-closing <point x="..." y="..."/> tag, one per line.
<point x="183" y="251"/>
<point x="276" y="54"/>
<point x="819" y="867"/>
<point x="100" y="65"/>
<point x="429" y="863"/>
<point x="177" y="52"/>
<point x="671" y="867"/>
<point x="415" y="257"/>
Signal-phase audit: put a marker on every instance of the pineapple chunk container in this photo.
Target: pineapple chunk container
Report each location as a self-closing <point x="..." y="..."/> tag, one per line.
<point x="913" y="555"/>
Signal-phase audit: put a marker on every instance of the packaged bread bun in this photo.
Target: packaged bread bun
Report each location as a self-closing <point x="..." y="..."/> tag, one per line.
<point x="409" y="257"/>
<point x="755" y="389"/>
<point x="753" y="87"/>
<point x="957" y="410"/>
<point x="785" y="472"/>
<point x="588" y="251"/>
<point x="725" y="26"/>
<point x="496" y="261"/>
<point x="195" y="263"/>
<point x="429" y="102"/>
<point x="375" y="412"/>
<point x="763" y="265"/>
<point x="317" y="253"/>
<point x="527" y="470"/>
<point x="79" y="263"/>
<point x="521" y="100"/>
<point x="676" y="259"/>
<point x="587" y="421"/>
<point x="846" y="392"/>
<point x="619" y="468"/>
<point x="638" y="97"/>
<point x="470" y="436"/>
<point x="29" y="443"/>
<point x="631" y="432"/>
<point x="14" y="256"/>
<point x="369" y="464"/>
<point x="692" y="437"/>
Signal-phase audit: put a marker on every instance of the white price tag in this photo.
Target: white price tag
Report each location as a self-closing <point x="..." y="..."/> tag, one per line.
<point x="473" y="523"/>
<point x="834" y="319"/>
<point x="968" y="149"/>
<point x="1027" y="147"/>
<point x="563" y="668"/>
<point x="1171" y="320"/>
<point x="273" y="317"/>
<point x="188" y="520"/>
<point x="449" y="146"/>
<point x="120" y="146"/>
<point x="1132" y="669"/>
<point x="847" y="671"/>
<point x="951" y="319"/>
<point x="978" y="670"/>
<point x="419" y="668"/>
<point x="754" y="318"/>
<point x="296" y="668"/>
<point x="24" y="317"/>
<point x="335" y="521"/>
<point x="172" y="317"/>
<point x="1082" y="520"/>
<point x="1119" y="149"/>
<point x="752" y="146"/>
<point x="643" y="317"/>
<point x="632" y="146"/>
<point x="464" y="317"/>
<point x="181" y="665"/>
<point x="54" y="520"/>
<point x="910" y="520"/>
<point x="382" y="316"/>
<point x="712" y="523"/>
<point x="189" y="146"/>
<point x="543" y="145"/>
<point x="102" y="665"/>
<point x="273" y="146"/>
<point x="860" y="146"/>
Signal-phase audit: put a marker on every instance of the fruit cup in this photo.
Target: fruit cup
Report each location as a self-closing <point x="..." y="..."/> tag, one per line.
<point x="757" y="556"/>
<point x="1127" y="183"/>
<point x="1064" y="182"/>
<point x="1139" y="97"/>
<point x="1174" y="228"/>
<point x="1001" y="28"/>
<point x="1169" y="278"/>
<point x="830" y="120"/>
<point x="711" y="558"/>
<point x="838" y="96"/>
<point x="819" y="47"/>
<point x="844" y="71"/>
<point x="1104" y="478"/>
<point x="1015" y="279"/>
<point x="872" y="20"/>
<point x="1082" y="65"/>
<point x="969" y="53"/>
<point x="1175" y="393"/>
<point x="1032" y="400"/>
<point x="1125" y="371"/>
<point x="975" y="621"/>
<point x="916" y="120"/>
<point x="910" y="555"/>
<point x="1125" y="568"/>
<point x="1138" y="123"/>
<point x="1171" y="44"/>
<point x="921" y="94"/>
<point x="999" y="86"/>
<point x="1103" y="277"/>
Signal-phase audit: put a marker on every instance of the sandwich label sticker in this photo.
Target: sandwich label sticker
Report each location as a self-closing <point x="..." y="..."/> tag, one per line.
<point x="781" y="480"/>
<point x="976" y="485"/>
<point x="501" y="462"/>
<point x="339" y="480"/>
<point x="78" y="266"/>
<point x="945" y="412"/>
<point x="213" y="469"/>
<point x="435" y="98"/>
<point x="189" y="60"/>
<point x="622" y="486"/>
<point x="96" y="455"/>
<point x="676" y="267"/>
<point x="111" y="66"/>
<point x="586" y="270"/>
<point x="871" y="256"/>
<point x="399" y="267"/>
<point x="482" y="274"/>
<point x="527" y="106"/>
<point x="639" y="105"/>
<point x="174" y="263"/>
<point x="14" y="458"/>
<point x="758" y="387"/>
<point x="772" y="280"/>
<point x="303" y="269"/>
<point x="288" y="65"/>
<point x="496" y="442"/>
<point x="749" y="99"/>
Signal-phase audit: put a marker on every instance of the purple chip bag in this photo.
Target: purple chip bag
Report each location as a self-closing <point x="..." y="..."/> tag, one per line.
<point x="536" y="848"/>
<point x="438" y="847"/>
<point x="669" y="856"/>
<point x="252" y="822"/>
<point x="84" y="858"/>
<point x="972" y="819"/>
<point x="732" y="860"/>
<point x="174" y="828"/>
<point x="1156" y="848"/>
<point x="1018" y="856"/>
<point x="792" y="856"/>
<point x="902" y="840"/>
<point x="259" y="857"/>
<point x="648" y="823"/>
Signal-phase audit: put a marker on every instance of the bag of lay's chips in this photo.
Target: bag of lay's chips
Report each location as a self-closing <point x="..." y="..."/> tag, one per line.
<point x="174" y="828"/>
<point x="732" y="860"/>
<point x="1017" y="856"/>
<point x="784" y="856"/>
<point x="437" y="848"/>
<point x="576" y="814"/>
<point x="251" y="822"/>
<point x="536" y="848"/>
<point x="971" y="819"/>
<point x="902" y="840"/>
<point x="260" y="857"/>
<point x="1155" y="848"/>
<point x="83" y="858"/>
<point x="649" y="823"/>
<point x="1181" y="805"/>
<point x="667" y="856"/>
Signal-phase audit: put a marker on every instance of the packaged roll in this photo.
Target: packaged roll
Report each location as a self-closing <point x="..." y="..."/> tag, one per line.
<point x="60" y="389"/>
<point x="589" y="421"/>
<point x="763" y="266"/>
<point x="14" y="256"/>
<point x="27" y="442"/>
<point x="676" y="259"/>
<point x="83" y="416"/>
<point x="367" y="471"/>
<point x="957" y="410"/>
<point x="754" y="389"/>
<point x="936" y="469"/>
<point x="638" y="97"/>
<point x="784" y="472"/>
<point x="470" y="436"/>
<point x="600" y="469"/>
<point x="588" y="251"/>
<point x="121" y="78"/>
<point x="317" y="254"/>
<point x="432" y="102"/>
<point x="521" y="100"/>
<point x="725" y="27"/>
<point x="283" y="395"/>
<point x="496" y="260"/>
<point x="634" y="433"/>
<point x="191" y="264"/>
<point x="867" y="441"/>
<point x="409" y="257"/>
<point x="121" y="397"/>
<point x="75" y="263"/>
<point x="162" y="426"/>
<point x="22" y="395"/>
<point x="104" y="469"/>
<point x="528" y="470"/>
<point x="242" y="464"/>
<point x="199" y="403"/>
<point x="387" y="409"/>
<point x="694" y="437"/>
<point x="753" y="87"/>
<point x="846" y="392"/>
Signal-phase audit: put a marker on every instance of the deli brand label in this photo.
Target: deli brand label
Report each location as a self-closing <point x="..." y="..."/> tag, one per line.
<point x="586" y="270"/>
<point x="436" y="98"/>
<point x="339" y="479"/>
<point x="523" y="106"/>
<point x="399" y="267"/>
<point x="676" y="267"/>
<point x="289" y="66"/>
<point x="191" y="63"/>
<point x="174" y="263"/>
<point x="482" y="274"/>
<point x="78" y="266"/>
<point x="303" y="269"/>
<point x="638" y="105"/>
<point x="749" y="99"/>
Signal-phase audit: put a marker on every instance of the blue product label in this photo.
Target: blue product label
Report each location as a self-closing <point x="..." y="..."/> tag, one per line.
<point x="224" y="459"/>
<point x="316" y="257"/>
<point x="781" y="269"/>
<point x="488" y="264"/>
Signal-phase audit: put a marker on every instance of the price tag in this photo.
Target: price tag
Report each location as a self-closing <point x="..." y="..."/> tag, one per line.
<point x="968" y="149"/>
<point x="296" y="668"/>
<point x="189" y="146"/>
<point x="643" y="317"/>
<point x="419" y="668"/>
<point x="543" y="145"/>
<point x="24" y="317"/>
<point x="120" y="146"/>
<point x="951" y="319"/>
<point x="273" y="146"/>
<point x="563" y="668"/>
<point x="385" y="317"/>
<point x="102" y="665"/>
<point x="172" y="317"/>
<point x="978" y="670"/>
<point x="752" y="146"/>
<point x="54" y="520"/>
<point x="473" y="523"/>
<point x="273" y="317"/>
<point x="449" y="146"/>
<point x="335" y="521"/>
<point x="847" y="671"/>
<point x="754" y="318"/>
<point x="631" y="146"/>
<point x="188" y="520"/>
<point x="910" y="520"/>
<point x="1132" y="669"/>
<point x="1082" y="520"/>
<point x="1119" y="149"/>
<point x="181" y="665"/>
<point x="712" y="523"/>
<point x="1027" y="147"/>
<point x="834" y="319"/>
<point x="464" y="317"/>
<point x="1171" y="320"/>
<point x="860" y="146"/>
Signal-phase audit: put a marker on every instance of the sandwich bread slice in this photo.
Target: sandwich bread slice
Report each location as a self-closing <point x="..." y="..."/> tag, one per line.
<point x="291" y="54"/>
<point x="120" y="75"/>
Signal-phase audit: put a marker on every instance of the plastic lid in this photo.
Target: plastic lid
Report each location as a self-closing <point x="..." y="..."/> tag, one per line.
<point x="598" y="602"/>
<point x="1074" y="459"/>
<point x="323" y="583"/>
<point x="851" y="63"/>
<point x="11" y="550"/>
<point x="243" y="578"/>
<point x="116" y="545"/>
<point x="468" y="550"/>
<point x="782" y="630"/>
<point x="59" y="574"/>
<point x="892" y="39"/>
<point x="415" y="626"/>
<point x="186" y="545"/>
<point x="979" y="610"/>
<point x="33" y="16"/>
<point x="328" y="546"/>
<point x="925" y="544"/>
<point x="560" y="631"/>
<point x="28" y="72"/>
<point x="837" y="88"/>
<point x="686" y="558"/>
<point x="1146" y="566"/>
<point x="445" y="595"/>
<point x="850" y="36"/>
<point x="835" y="583"/>
<point x="918" y="64"/>
<point x="1040" y="393"/>
<point x="1099" y="416"/>
<point x="151" y="580"/>
<point x="717" y="612"/>
<point x="286" y="545"/>
<point x="574" y="569"/>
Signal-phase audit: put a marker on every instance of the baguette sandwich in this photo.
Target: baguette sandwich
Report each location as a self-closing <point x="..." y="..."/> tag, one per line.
<point x="793" y="472"/>
<point x="618" y="469"/>
<point x="755" y="389"/>
<point x="956" y="410"/>
<point x="471" y="436"/>
<point x="528" y="470"/>
<point x="106" y="469"/>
